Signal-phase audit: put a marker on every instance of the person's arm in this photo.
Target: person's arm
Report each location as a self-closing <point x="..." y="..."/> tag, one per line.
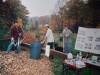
<point x="12" y="38"/>
<point x="71" y="34"/>
<point x="12" y="34"/>
<point x="20" y="32"/>
<point x="63" y="39"/>
<point x="45" y="40"/>
<point x="63" y="42"/>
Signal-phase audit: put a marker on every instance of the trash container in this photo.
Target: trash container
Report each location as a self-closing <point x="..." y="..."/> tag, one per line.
<point x="35" y="50"/>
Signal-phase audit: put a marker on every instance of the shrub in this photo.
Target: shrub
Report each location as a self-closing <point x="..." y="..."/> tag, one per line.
<point x="3" y="29"/>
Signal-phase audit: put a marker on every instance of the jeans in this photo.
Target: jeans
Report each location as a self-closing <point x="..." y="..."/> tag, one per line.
<point x="11" y="45"/>
<point x="68" y="48"/>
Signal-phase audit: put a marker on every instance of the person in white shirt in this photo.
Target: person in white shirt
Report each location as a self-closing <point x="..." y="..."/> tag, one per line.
<point x="49" y="37"/>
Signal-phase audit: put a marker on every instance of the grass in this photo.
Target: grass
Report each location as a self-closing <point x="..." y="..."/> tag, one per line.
<point x="58" y="66"/>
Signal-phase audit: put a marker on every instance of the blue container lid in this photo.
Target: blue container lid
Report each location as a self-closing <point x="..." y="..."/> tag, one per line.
<point x="36" y="44"/>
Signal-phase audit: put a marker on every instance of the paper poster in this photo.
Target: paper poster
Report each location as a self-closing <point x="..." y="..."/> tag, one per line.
<point x="88" y="40"/>
<point x="47" y="52"/>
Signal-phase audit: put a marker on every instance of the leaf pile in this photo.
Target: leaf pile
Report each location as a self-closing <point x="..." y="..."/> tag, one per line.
<point x="21" y="64"/>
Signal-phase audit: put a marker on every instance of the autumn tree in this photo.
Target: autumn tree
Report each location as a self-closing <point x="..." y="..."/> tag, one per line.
<point x="85" y="12"/>
<point x="10" y="10"/>
<point x="77" y="10"/>
<point x="57" y="15"/>
<point x="53" y="23"/>
<point x="94" y="8"/>
<point x="74" y="11"/>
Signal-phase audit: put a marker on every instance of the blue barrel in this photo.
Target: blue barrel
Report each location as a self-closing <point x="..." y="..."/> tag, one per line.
<point x="35" y="51"/>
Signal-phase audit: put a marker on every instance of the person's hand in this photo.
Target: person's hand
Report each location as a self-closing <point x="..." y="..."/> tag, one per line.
<point x="12" y="38"/>
<point x="42" y="42"/>
<point x="15" y="44"/>
<point x="20" y="41"/>
<point x="20" y="34"/>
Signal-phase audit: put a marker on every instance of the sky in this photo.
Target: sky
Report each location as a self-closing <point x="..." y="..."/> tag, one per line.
<point x="39" y="7"/>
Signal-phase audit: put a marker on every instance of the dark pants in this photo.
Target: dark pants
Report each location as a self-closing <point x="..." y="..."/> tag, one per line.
<point x="51" y="45"/>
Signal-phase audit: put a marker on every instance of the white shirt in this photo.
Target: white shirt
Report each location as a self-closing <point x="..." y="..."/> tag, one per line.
<point x="49" y="36"/>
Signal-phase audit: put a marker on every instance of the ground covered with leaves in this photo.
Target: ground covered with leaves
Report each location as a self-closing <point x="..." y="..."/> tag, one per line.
<point x="21" y="64"/>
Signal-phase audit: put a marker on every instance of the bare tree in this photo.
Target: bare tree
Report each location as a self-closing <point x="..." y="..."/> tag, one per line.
<point x="57" y="13"/>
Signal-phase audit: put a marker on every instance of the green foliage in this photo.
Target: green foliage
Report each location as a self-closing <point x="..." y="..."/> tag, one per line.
<point x="27" y="27"/>
<point x="11" y="10"/>
<point x="57" y="66"/>
<point x="78" y="10"/>
<point x="57" y="39"/>
<point x="4" y="45"/>
<point x="3" y="29"/>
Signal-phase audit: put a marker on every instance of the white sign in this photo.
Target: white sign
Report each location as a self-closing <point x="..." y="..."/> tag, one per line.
<point x="47" y="50"/>
<point x="88" y="40"/>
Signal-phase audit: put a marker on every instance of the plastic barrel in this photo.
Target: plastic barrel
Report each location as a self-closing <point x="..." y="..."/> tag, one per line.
<point x="35" y="50"/>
